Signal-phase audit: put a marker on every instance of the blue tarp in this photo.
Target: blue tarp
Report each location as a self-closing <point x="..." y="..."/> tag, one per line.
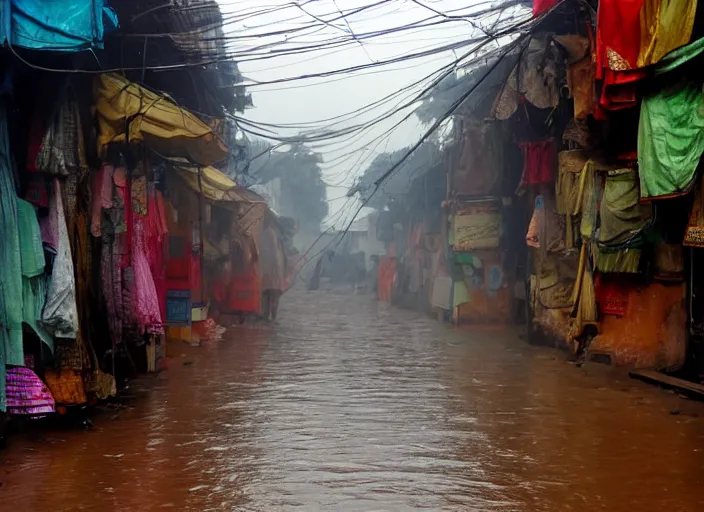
<point x="58" y="25"/>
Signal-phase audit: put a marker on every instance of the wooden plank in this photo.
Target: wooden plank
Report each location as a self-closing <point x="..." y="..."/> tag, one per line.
<point x="681" y="385"/>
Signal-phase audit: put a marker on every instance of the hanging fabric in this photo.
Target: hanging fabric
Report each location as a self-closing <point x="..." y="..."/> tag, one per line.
<point x="670" y="139"/>
<point x="539" y="161"/>
<point x="623" y="217"/>
<point x="27" y="395"/>
<point x="665" y="25"/>
<point x="34" y="282"/>
<point x="534" y="79"/>
<point x="60" y="316"/>
<point x="11" y="351"/>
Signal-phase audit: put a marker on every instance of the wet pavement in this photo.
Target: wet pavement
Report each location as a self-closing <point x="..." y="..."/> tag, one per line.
<point x="350" y="405"/>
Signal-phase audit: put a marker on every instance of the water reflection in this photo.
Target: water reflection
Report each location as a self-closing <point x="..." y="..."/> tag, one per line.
<point x="349" y="405"/>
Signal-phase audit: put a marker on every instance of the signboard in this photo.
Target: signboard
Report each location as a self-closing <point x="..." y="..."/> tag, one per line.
<point x="477" y="226"/>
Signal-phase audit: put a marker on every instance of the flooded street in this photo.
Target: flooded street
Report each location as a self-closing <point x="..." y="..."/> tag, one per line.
<point x="351" y="405"/>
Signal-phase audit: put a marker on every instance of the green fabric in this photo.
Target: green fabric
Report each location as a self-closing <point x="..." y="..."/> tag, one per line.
<point x="621" y="261"/>
<point x="31" y="250"/>
<point x="622" y="216"/>
<point x="460" y="294"/>
<point x="670" y="138"/>
<point x="680" y="56"/>
<point x="11" y="351"/>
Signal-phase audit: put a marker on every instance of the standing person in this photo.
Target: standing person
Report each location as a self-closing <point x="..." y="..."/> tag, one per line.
<point x="272" y="266"/>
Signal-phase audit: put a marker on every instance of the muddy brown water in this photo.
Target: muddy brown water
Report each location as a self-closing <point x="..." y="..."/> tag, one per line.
<point x="350" y="405"/>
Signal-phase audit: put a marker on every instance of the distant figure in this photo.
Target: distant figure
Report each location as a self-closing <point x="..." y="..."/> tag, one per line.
<point x="314" y="283"/>
<point x="373" y="274"/>
<point x="272" y="266"/>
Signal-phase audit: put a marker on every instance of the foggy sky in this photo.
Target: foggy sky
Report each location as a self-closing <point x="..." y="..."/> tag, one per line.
<point x="314" y="99"/>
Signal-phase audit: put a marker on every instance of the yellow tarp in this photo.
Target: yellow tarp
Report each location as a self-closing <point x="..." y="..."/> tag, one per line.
<point x="215" y="185"/>
<point x="153" y="119"/>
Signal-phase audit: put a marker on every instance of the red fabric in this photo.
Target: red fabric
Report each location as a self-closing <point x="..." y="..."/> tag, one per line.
<point x="612" y="295"/>
<point x="34" y="144"/>
<point x="195" y="274"/>
<point x="156" y="238"/>
<point x="386" y="278"/>
<point x="238" y="293"/>
<point x="618" y="29"/>
<point x="539" y="161"/>
<point x="619" y="89"/>
<point x="541" y="6"/>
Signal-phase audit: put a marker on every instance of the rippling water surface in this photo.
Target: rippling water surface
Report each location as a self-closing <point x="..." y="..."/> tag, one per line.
<point x="350" y="405"/>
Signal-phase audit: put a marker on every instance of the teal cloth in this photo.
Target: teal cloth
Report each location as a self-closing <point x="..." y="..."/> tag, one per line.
<point x="670" y="138"/>
<point x="34" y="282"/>
<point x="11" y="351"/>
<point x="31" y="250"/>
<point x="66" y="25"/>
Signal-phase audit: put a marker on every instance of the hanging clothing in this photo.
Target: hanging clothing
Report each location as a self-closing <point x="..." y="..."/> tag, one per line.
<point x="37" y="190"/>
<point x="34" y="282"/>
<point x="623" y="217"/>
<point x="632" y="34"/>
<point x="60" y="315"/>
<point x="58" y="154"/>
<point x="31" y="249"/>
<point x="546" y="230"/>
<point x="617" y="49"/>
<point x="538" y="162"/>
<point x="618" y="34"/>
<point x="156" y="233"/>
<point x="581" y="73"/>
<point x="534" y="79"/>
<point x="27" y="395"/>
<point x="11" y="350"/>
<point x="66" y="386"/>
<point x="570" y="167"/>
<point x="146" y="300"/>
<point x="665" y="25"/>
<point x="670" y="139"/>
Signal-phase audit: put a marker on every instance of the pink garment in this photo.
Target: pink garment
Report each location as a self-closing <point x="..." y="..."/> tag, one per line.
<point x="145" y="299"/>
<point x="27" y="395"/>
<point x="541" y="6"/>
<point x="102" y="198"/>
<point x="156" y="231"/>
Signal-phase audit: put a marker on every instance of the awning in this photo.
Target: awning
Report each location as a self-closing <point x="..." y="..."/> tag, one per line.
<point x="155" y="120"/>
<point x="216" y="186"/>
